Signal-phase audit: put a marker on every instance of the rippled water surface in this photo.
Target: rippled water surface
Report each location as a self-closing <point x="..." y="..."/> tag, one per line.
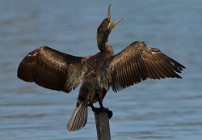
<point x="169" y="109"/>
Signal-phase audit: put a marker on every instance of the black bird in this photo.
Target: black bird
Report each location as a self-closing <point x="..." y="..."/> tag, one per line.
<point x="55" y="70"/>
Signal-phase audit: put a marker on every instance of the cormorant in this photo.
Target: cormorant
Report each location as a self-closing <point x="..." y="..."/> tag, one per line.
<point x="55" y="70"/>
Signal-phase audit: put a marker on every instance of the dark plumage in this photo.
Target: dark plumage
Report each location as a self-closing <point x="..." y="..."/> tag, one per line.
<point x="55" y="70"/>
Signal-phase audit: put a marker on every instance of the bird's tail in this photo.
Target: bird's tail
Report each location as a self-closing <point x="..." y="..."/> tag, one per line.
<point x="78" y="118"/>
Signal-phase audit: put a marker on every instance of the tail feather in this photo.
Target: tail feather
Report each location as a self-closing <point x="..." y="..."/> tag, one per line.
<point x="78" y="118"/>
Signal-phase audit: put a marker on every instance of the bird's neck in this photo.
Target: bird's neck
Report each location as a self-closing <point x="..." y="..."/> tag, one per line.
<point x="102" y="40"/>
<point x="105" y="47"/>
<point x="103" y="44"/>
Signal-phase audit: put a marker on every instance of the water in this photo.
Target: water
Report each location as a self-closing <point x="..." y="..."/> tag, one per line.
<point x="166" y="109"/>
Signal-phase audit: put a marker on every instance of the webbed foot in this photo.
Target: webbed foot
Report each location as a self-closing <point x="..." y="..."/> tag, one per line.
<point x="110" y="113"/>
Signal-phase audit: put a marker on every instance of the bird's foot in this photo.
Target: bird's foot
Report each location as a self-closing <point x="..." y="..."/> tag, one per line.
<point x="110" y="113"/>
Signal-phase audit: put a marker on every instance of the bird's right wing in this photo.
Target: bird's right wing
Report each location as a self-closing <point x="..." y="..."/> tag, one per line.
<point x="51" y="69"/>
<point x="138" y="62"/>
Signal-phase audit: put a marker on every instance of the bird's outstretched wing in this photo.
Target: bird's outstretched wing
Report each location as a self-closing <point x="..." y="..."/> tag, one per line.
<point x="51" y="69"/>
<point x="138" y="62"/>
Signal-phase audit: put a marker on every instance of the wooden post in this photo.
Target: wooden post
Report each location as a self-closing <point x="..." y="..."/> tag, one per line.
<point x="102" y="125"/>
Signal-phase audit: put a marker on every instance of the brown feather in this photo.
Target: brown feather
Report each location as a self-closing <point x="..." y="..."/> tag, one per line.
<point x="51" y="69"/>
<point x="138" y="62"/>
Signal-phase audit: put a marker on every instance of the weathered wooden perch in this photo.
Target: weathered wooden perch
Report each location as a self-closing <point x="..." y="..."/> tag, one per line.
<point x="102" y="125"/>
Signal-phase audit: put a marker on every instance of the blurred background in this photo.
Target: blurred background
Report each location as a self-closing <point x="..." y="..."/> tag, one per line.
<point x="169" y="109"/>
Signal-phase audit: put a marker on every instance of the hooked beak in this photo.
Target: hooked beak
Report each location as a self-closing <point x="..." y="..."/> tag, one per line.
<point x="112" y="24"/>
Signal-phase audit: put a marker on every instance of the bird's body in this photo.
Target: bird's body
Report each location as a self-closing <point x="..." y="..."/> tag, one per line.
<point x="97" y="73"/>
<point x="96" y="76"/>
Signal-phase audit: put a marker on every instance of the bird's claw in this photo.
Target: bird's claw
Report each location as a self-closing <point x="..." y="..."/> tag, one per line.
<point x="110" y="113"/>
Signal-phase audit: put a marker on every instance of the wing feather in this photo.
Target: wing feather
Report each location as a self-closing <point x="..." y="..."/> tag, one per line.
<point x="138" y="62"/>
<point x="51" y="69"/>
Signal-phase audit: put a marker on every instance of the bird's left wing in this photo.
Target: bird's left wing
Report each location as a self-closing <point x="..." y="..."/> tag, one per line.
<point x="51" y="69"/>
<point x="138" y="62"/>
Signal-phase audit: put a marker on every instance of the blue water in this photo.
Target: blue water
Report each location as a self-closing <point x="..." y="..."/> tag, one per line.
<point x="169" y="109"/>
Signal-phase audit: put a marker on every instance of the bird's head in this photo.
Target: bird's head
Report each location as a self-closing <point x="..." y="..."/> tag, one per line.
<point x="105" y="29"/>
